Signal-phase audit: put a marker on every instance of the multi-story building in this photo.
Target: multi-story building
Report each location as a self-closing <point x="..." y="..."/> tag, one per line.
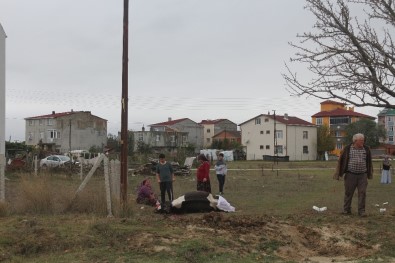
<point x="386" y="118"/>
<point x="168" y="139"/>
<point x="185" y="125"/>
<point x="66" y="131"/>
<point x="278" y="136"/>
<point x="213" y="127"/>
<point x="337" y="116"/>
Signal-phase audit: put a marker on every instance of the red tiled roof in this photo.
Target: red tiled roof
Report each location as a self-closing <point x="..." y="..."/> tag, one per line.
<point x="235" y="134"/>
<point x="57" y="115"/>
<point x="341" y="112"/>
<point x="54" y="115"/>
<point x="332" y="102"/>
<point x="290" y="120"/>
<point x="166" y="123"/>
<point x="211" y="121"/>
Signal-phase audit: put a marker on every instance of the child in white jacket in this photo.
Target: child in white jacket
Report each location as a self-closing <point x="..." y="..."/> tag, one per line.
<point x="221" y="170"/>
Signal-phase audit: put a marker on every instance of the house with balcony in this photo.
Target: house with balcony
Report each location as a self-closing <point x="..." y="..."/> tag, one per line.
<point x="281" y="137"/>
<point x="167" y="139"/>
<point x="193" y="130"/>
<point x="214" y="127"/>
<point x="337" y="116"/>
<point x="66" y="131"/>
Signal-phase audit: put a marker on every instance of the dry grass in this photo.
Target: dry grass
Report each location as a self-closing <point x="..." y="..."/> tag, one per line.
<point x="274" y="220"/>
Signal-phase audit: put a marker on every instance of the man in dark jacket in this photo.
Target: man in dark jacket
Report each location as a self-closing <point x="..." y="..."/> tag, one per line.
<point x="355" y="162"/>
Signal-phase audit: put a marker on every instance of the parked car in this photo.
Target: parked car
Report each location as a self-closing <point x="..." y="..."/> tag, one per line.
<point x="54" y="161"/>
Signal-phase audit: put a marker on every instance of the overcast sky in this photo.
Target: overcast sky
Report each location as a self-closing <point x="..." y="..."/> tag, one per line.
<point x="197" y="59"/>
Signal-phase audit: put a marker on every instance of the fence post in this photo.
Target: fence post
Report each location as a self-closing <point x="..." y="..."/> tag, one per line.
<point x="107" y="184"/>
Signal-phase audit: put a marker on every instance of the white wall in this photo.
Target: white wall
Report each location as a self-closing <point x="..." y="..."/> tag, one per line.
<point x="2" y="113"/>
<point x="2" y="90"/>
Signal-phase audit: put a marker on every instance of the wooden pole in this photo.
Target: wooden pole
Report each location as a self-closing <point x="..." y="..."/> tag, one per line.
<point x="124" y="102"/>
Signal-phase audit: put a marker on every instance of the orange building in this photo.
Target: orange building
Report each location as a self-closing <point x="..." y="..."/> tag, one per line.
<point x="337" y="116"/>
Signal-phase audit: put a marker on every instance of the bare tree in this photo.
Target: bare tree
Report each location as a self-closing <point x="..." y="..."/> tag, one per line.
<point x="352" y="58"/>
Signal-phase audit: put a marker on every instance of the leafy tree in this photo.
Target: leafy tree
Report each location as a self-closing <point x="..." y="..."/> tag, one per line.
<point x="144" y="148"/>
<point x="113" y="142"/>
<point x="351" y="58"/>
<point x="325" y="142"/>
<point x="373" y="132"/>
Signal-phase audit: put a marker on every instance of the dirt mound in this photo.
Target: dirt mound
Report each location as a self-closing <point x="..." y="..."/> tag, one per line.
<point x="264" y="236"/>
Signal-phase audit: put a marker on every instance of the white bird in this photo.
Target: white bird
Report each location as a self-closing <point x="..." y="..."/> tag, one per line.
<point x="382" y="210"/>
<point x="386" y="203"/>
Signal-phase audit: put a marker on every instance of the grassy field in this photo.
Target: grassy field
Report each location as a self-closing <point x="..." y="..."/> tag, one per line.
<point x="274" y="220"/>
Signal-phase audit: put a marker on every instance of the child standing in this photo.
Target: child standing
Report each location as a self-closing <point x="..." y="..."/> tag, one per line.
<point x="386" y="173"/>
<point x="220" y="170"/>
<point x="165" y="177"/>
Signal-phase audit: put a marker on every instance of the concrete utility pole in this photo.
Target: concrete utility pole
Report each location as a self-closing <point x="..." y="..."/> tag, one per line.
<point x="2" y="113"/>
<point x="124" y="113"/>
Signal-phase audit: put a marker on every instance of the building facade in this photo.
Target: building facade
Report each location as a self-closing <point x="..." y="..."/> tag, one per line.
<point x="213" y="127"/>
<point x="185" y="125"/>
<point x="337" y="116"/>
<point x="279" y="136"/>
<point x="386" y="118"/>
<point x="66" y="131"/>
<point x="168" y="139"/>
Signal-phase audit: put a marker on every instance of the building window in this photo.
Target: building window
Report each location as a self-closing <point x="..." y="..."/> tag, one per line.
<point x="268" y="132"/>
<point x="208" y="130"/>
<point x="266" y="119"/>
<point x="257" y="121"/>
<point x="261" y="147"/>
<point x="391" y="128"/>
<point x="305" y="149"/>
<point x="267" y="147"/>
<point x="157" y="138"/>
<point x="49" y="122"/>
<point x="30" y="136"/>
<point x="389" y="118"/>
<point x="40" y="122"/>
<point x="172" y="138"/>
<point x="338" y="134"/>
<point x="31" y="122"/>
<point x="279" y="134"/>
<point x="232" y="140"/>
<point x="278" y="149"/>
<point x="305" y="134"/>
<point x="261" y="132"/>
<point x="141" y="137"/>
<point x="184" y="139"/>
<point x="208" y="140"/>
<point x="339" y="146"/>
<point x="53" y="134"/>
<point x="318" y="121"/>
<point x="390" y="138"/>
<point x="339" y="120"/>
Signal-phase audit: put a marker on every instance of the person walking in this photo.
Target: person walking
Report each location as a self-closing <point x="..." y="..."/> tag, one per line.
<point x="355" y="163"/>
<point x="203" y="174"/>
<point x="386" y="170"/>
<point x="220" y="170"/>
<point x="165" y="177"/>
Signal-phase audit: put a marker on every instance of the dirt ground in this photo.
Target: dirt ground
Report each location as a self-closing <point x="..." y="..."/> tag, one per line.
<point x="286" y="239"/>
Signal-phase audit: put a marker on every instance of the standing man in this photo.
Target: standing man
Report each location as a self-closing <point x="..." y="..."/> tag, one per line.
<point x="165" y="177"/>
<point x="355" y="162"/>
